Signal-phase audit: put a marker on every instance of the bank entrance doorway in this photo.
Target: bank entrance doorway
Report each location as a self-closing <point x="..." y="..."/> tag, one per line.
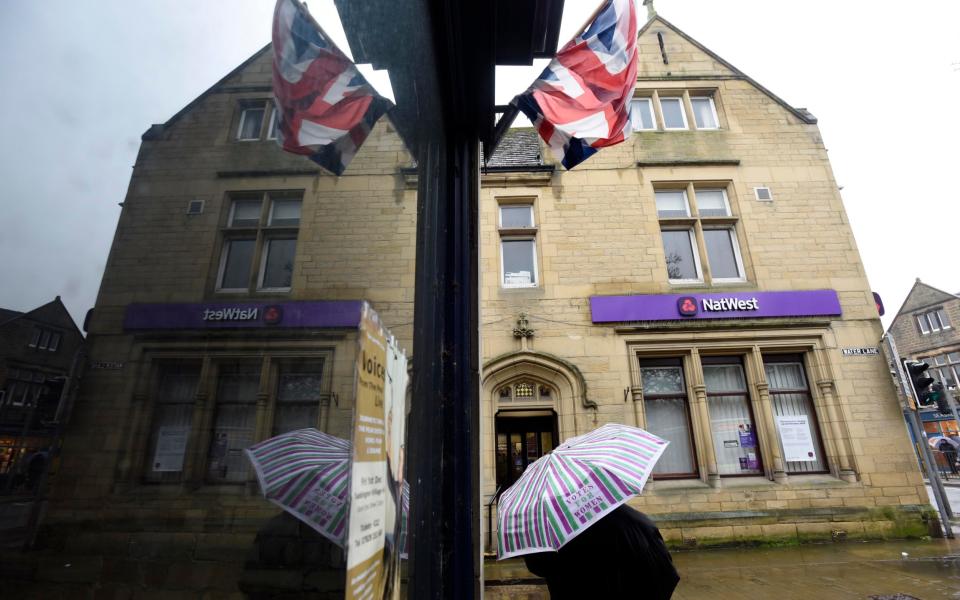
<point x="522" y="438"/>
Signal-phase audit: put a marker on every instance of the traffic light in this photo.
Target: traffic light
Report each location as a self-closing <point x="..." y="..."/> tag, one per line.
<point x="939" y="396"/>
<point x="920" y="382"/>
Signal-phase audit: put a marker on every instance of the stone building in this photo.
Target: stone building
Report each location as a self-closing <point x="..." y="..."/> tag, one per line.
<point x="699" y="281"/>
<point x="37" y="351"/>
<point x="925" y="329"/>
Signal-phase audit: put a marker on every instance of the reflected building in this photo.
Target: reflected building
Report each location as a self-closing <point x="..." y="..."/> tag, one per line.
<point x="700" y="281"/>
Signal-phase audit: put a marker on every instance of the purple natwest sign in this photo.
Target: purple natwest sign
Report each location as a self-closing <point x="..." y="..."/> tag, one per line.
<point x="245" y="315"/>
<point x="733" y="305"/>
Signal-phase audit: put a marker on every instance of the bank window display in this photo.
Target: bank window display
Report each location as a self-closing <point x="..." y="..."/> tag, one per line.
<point x="259" y="242"/>
<point x="732" y="426"/>
<point x="173" y="404"/>
<point x="299" y="393"/>
<point x="668" y="415"/>
<point x="794" y="415"/>
<point x="518" y="246"/>
<point x="234" y="421"/>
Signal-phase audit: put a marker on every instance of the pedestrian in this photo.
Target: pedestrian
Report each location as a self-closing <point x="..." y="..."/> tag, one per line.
<point x="949" y="449"/>
<point x="621" y="556"/>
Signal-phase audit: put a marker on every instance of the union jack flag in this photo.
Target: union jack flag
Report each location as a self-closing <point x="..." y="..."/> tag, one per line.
<point x="326" y="108"/>
<point x="581" y="101"/>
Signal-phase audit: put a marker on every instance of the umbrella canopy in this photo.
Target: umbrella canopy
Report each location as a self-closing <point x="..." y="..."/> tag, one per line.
<point x="936" y="440"/>
<point x="566" y="491"/>
<point x="307" y="473"/>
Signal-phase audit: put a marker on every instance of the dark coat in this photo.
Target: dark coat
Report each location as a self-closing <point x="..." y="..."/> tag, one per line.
<point x="620" y="556"/>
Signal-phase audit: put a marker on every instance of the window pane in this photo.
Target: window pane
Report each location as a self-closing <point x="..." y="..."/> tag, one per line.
<point x="234" y="421"/>
<point x="641" y="114"/>
<point x="285" y="212"/>
<point x="942" y="317"/>
<point x="272" y="133"/>
<point x="790" y="376"/>
<point x="922" y="320"/>
<point x="518" y="263"/>
<point x="724" y="378"/>
<point x="672" y="109"/>
<point x="954" y="357"/>
<point x="940" y="359"/>
<point x="932" y="321"/>
<point x="36" y="337"/>
<point x="672" y="203"/>
<point x="278" y="272"/>
<point x="662" y="380"/>
<point x="712" y="203"/>
<point x="678" y="249"/>
<point x="516" y="216"/>
<point x="298" y="397"/>
<point x="236" y="271"/>
<point x="246" y="213"/>
<point x="172" y="418"/>
<point x="734" y="436"/>
<point x="250" y="123"/>
<point x="54" y="342"/>
<point x="44" y="340"/>
<point x="703" y="113"/>
<point x="720" y="253"/>
<point x="667" y="418"/>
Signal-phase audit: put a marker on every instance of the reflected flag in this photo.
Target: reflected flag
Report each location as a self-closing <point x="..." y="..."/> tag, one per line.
<point x="326" y="108"/>
<point x="581" y="101"/>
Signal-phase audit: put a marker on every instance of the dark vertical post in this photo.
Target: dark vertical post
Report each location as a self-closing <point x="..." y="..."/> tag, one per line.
<point x="444" y="419"/>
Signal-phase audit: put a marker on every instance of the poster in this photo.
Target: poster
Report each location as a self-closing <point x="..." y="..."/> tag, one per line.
<point x="171" y="448"/>
<point x="796" y="439"/>
<point x="747" y="438"/>
<point x="368" y="478"/>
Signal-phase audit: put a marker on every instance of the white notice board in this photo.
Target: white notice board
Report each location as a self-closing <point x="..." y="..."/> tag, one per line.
<point x="796" y="439"/>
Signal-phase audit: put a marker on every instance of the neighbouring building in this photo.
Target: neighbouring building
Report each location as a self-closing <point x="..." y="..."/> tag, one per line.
<point x="925" y="329"/>
<point x="700" y="281"/>
<point x="37" y="352"/>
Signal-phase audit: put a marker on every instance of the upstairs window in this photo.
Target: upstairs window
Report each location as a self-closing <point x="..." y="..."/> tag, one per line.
<point x="704" y="112"/>
<point x="45" y="339"/>
<point x="674" y="117"/>
<point x="251" y="120"/>
<point x="518" y="246"/>
<point x="260" y="242"/>
<point x="933" y="321"/>
<point x="641" y="114"/>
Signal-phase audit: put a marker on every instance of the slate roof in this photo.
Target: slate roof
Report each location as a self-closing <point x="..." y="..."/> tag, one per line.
<point x="8" y="315"/>
<point x="520" y="147"/>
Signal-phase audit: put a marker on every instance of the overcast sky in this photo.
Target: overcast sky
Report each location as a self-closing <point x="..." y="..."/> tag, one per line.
<point x="82" y="81"/>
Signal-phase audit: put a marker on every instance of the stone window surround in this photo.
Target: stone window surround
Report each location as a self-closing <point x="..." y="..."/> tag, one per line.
<point x="262" y="233"/>
<point x="266" y="118"/>
<point x="696" y="224"/>
<point x="195" y="459"/>
<point x="689" y="347"/>
<point x="688" y="114"/>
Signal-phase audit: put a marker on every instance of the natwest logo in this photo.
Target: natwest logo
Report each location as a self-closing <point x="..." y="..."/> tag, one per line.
<point x="272" y="315"/>
<point x="231" y="314"/>
<point x="687" y="306"/>
<point x="724" y="304"/>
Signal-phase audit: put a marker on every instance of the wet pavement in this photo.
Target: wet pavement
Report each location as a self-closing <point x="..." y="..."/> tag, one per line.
<point x="850" y="570"/>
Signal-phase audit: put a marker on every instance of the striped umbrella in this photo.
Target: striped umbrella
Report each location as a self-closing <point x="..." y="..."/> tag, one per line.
<point x="307" y="473"/>
<point x="564" y="492"/>
<point x="404" y="543"/>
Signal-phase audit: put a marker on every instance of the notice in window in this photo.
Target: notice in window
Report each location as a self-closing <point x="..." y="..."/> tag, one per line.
<point x="796" y="439"/>
<point x="171" y="447"/>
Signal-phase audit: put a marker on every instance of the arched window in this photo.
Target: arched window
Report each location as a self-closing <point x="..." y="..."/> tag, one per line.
<point x="525" y="391"/>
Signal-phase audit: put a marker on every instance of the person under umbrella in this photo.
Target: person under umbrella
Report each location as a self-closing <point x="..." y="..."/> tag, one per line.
<point x="567" y="516"/>
<point x="622" y="556"/>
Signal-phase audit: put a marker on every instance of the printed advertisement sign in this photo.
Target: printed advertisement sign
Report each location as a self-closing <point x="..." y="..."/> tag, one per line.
<point x="796" y="439"/>
<point x="368" y="478"/>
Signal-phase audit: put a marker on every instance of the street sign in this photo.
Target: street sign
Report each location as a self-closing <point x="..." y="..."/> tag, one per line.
<point x="862" y="351"/>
